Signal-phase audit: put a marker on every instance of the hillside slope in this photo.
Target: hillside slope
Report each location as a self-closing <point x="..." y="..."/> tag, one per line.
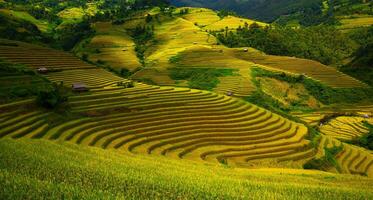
<point x="184" y="42"/>
<point x="73" y="171"/>
<point x="267" y="10"/>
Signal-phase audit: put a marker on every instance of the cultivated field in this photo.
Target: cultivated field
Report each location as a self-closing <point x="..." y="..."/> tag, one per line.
<point x="232" y="23"/>
<point x="89" y="173"/>
<point x="353" y="22"/>
<point x="43" y="26"/>
<point x="346" y="128"/>
<point x="167" y="121"/>
<point x="37" y="56"/>
<point x="64" y="67"/>
<point x="180" y="123"/>
<point x="352" y="159"/>
<point x="186" y="36"/>
<point x="111" y="45"/>
<point x="312" y="69"/>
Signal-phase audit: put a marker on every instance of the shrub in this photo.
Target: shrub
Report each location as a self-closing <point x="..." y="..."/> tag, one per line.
<point x="175" y="59"/>
<point x="52" y="98"/>
<point x="85" y="57"/>
<point x="129" y="84"/>
<point x="327" y="161"/>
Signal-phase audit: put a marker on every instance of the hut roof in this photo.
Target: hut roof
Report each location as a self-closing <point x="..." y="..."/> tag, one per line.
<point x="79" y="85"/>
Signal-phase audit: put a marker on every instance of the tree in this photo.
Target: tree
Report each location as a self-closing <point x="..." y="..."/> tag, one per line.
<point x="148" y="18"/>
<point x="52" y="98"/>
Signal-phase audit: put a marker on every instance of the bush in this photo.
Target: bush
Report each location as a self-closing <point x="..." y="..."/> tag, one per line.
<point x="175" y="59"/>
<point x="85" y="57"/>
<point x="129" y="84"/>
<point x="52" y="98"/>
<point x="327" y="161"/>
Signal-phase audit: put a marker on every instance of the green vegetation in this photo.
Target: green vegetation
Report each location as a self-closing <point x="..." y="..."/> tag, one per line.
<point x="143" y="36"/>
<point x="304" y="12"/>
<point x="17" y="81"/>
<point x="327" y="161"/>
<point x="366" y="140"/>
<point x="71" y="34"/>
<point x="33" y="169"/>
<point x="361" y="65"/>
<point x="175" y="59"/>
<point x="53" y="98"/>
<point x="200" y="78"/>
<point x="322" y="43"/>
<point x="128" y="84"/>
<point x="264" y="10"/>
<point x="225" y="13"/>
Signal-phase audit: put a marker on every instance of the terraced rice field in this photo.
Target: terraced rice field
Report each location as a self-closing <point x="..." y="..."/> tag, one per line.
<point x="312" y="119"/>
<point x="69" y="68"/>
<point x="286" y="93"/>
<point x="174" y="36"/>
<point x="92" y="78"/>
<point x="111" y="45"/>
<point x="313" y="69"/>
<point x="201" y="16"/>
<point x="176" y="122"/>
<point x="356" y="22"/>
<point x="203" y="56"/>
<point x="232" y="23"/>
<point x="352" y="159"/>
<point x="346" y="128"/>
<point x="237" y="85"/>
<point x="159" y="76"/>
<point x="36" y="56"/>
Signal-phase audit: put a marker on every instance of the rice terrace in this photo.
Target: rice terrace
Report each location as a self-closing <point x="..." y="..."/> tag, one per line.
<point x="186" y="99"/>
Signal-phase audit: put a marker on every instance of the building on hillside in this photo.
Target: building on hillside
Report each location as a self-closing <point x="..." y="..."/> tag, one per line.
<point x="42" y="70"/>
<point x="79" y="87"/>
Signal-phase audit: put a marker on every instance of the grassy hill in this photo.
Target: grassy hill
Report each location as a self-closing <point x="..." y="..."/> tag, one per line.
<point x="70" y="171"/>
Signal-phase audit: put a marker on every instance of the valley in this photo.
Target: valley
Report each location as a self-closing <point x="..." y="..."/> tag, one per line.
<point x="139" y="100"/>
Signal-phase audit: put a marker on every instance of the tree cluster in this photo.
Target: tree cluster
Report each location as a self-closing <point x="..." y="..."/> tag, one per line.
<point x="322" y="43"/>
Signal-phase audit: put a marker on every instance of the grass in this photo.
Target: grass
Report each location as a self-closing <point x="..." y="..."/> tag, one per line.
<point x="200" y="78"/>
<point x="36" y="169"/>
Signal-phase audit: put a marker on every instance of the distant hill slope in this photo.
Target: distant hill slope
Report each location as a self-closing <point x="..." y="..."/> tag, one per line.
<point x="267" y="10"/>
<point x="306" y="12"/>
<point x="183" y="42"/>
